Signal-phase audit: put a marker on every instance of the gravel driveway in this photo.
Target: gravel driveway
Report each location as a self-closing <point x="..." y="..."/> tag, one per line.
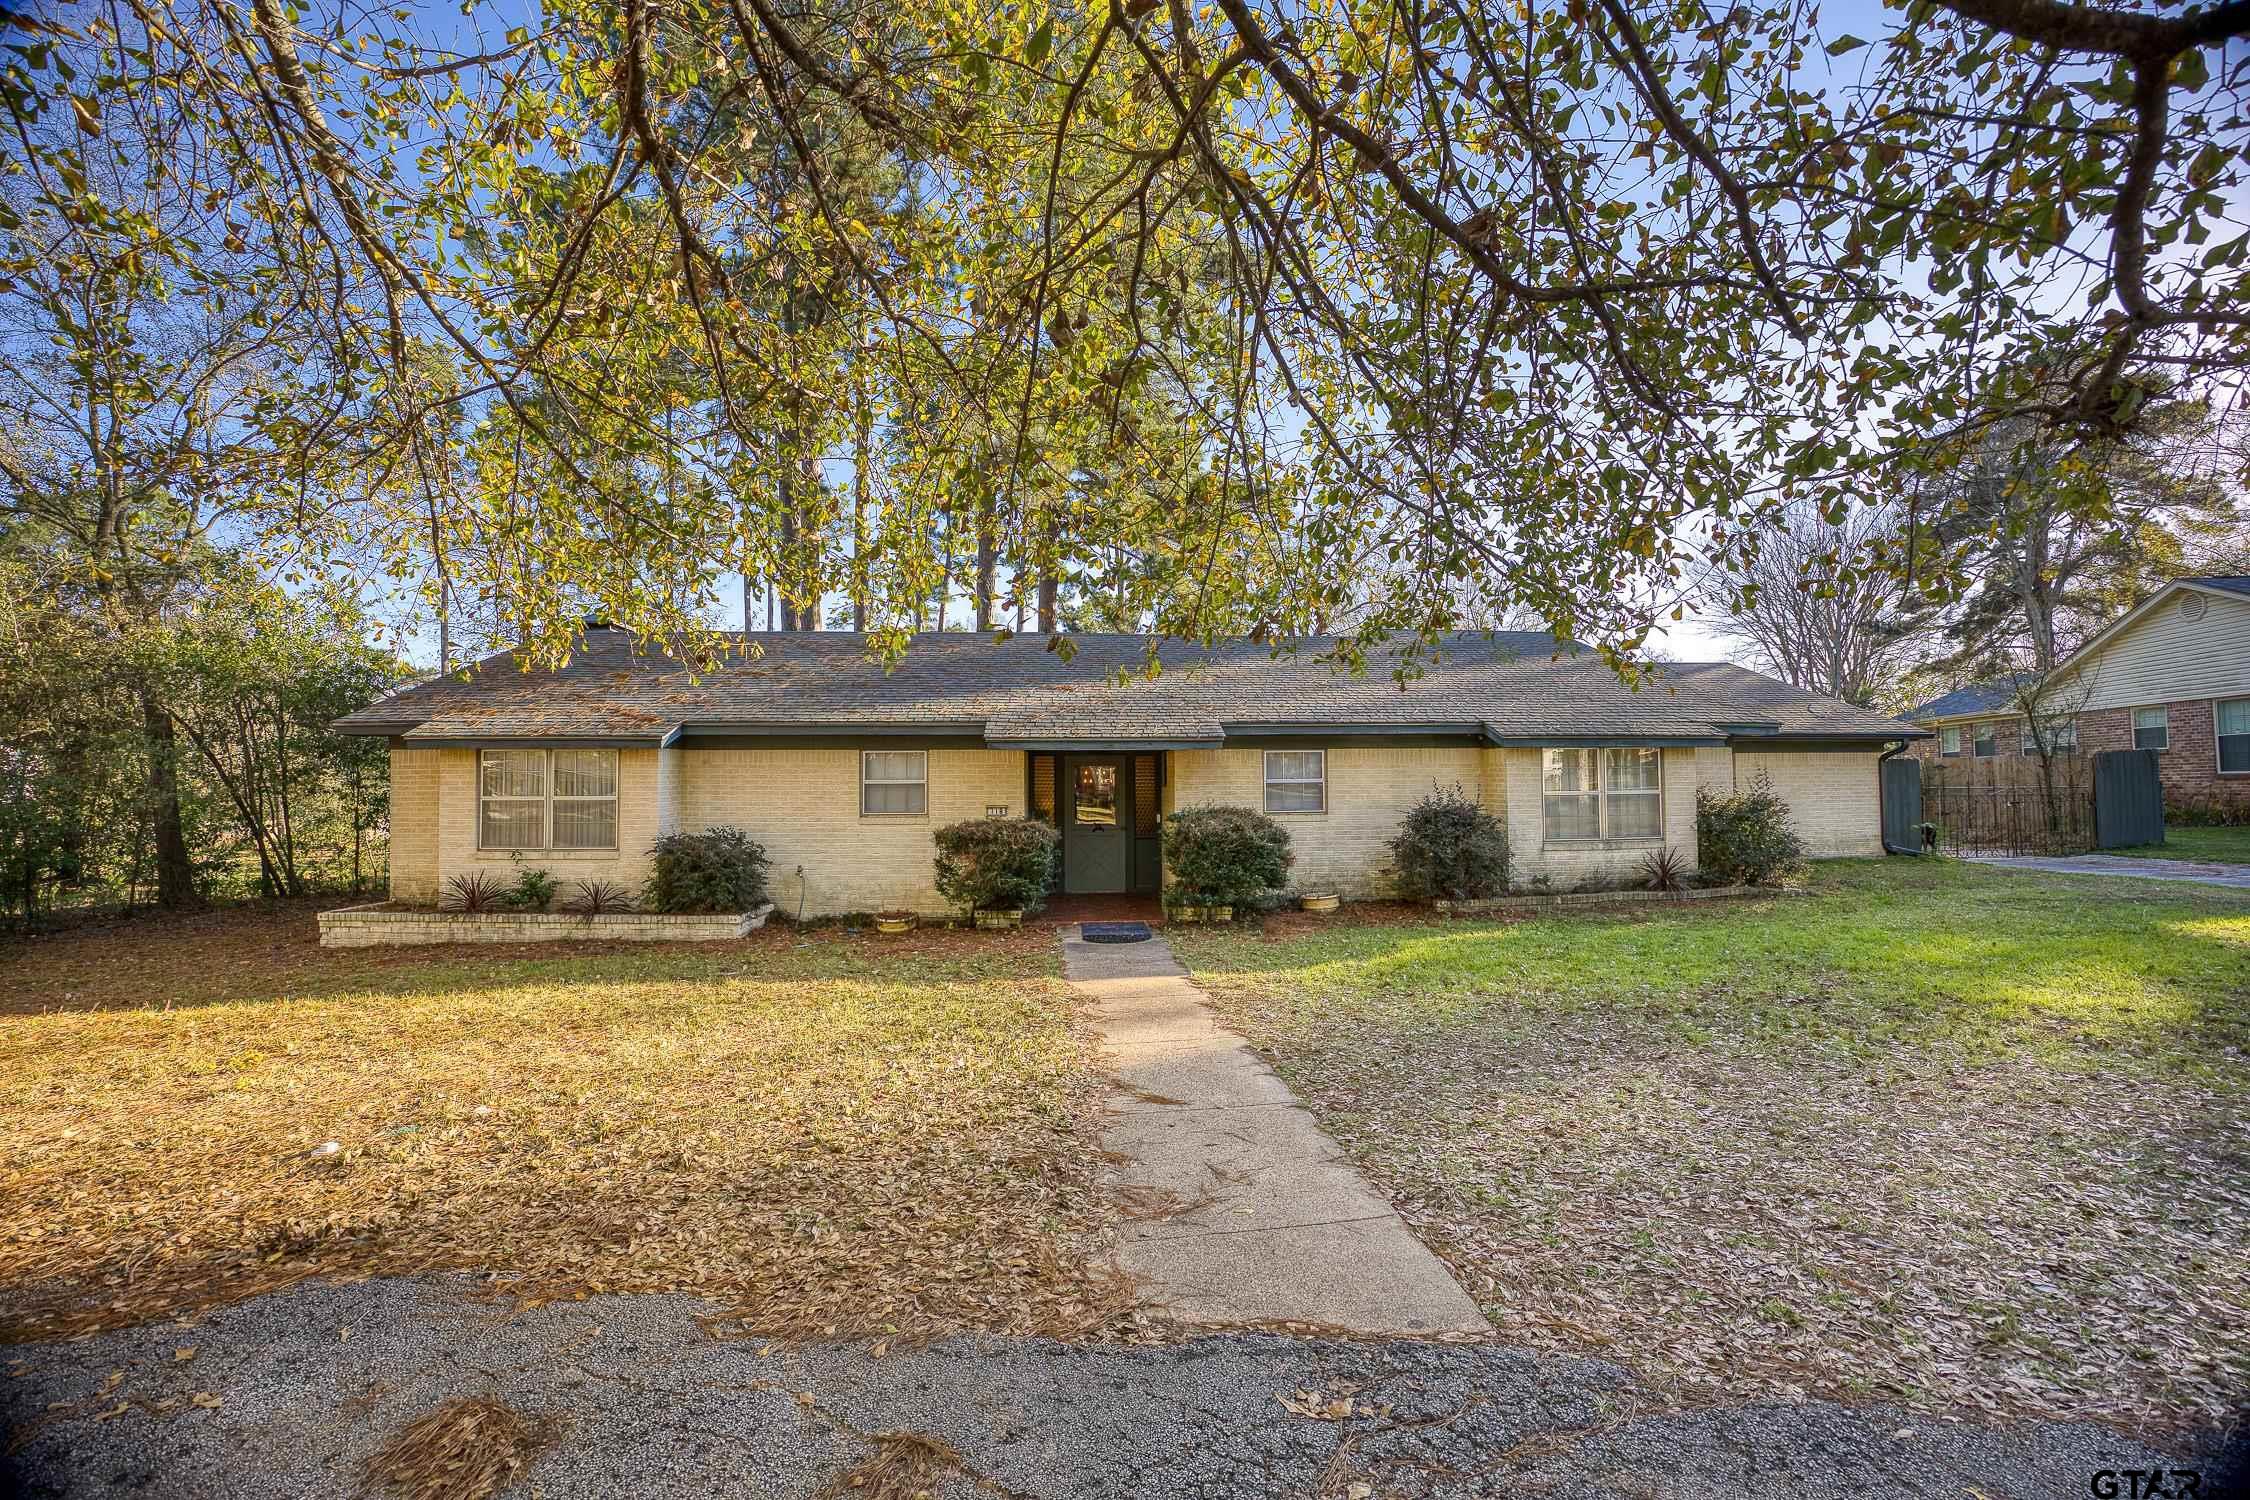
<point x="2192" y="871"/>
<point x="309" y="1382"/>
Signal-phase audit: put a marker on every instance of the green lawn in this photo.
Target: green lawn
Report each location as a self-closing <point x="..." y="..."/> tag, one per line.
<point x="1928" y="1132"/>
<point x="826" y="1134"/>
<point x="2224" y="845"/>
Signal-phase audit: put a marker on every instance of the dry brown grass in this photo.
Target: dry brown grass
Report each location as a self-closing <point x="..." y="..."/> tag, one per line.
<point x="826" y="1134"/>
<point x="1933" y="1134"/>
<point x="904" y="1466"/>
<point x="464" y="1450"/>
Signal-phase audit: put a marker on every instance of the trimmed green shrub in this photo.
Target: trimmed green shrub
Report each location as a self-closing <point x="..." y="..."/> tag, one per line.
<point x="1226" y="856"/>
<point x="533" y="889"/>
<point x="713" y="870"/>
<point x="997" y="864"/>
<point x="1746" y="837"/>
<point x="1451" y="849"/>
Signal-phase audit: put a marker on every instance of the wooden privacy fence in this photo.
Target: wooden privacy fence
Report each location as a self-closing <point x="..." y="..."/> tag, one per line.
<point x="2112" y="800"/>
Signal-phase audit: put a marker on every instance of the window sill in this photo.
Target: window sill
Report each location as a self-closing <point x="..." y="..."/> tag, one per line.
<point x="509" y="855"/>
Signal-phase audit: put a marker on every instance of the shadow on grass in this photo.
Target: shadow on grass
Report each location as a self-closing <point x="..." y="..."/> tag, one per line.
<point x="260" y="956"/>
<point x="1892" y="947"/>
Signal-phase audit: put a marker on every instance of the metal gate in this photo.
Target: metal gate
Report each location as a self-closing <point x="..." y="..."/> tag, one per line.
<point x="2016" y="811"/>
<point x="2128" y="799"/>
<point x="1902" y="805"/>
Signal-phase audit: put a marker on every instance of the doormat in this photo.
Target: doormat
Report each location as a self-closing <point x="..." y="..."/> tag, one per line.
<point x="1115" y="932"/>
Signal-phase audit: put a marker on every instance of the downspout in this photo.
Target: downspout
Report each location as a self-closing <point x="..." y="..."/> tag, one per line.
<point x="1898" y="748"/>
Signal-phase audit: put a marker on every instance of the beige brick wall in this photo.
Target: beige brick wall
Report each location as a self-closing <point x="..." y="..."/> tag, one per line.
<point x="1370" y="791"/>
<point x="803" y="805"/>
<point x="1835" y="795"/>
<point x="1531" y="857"/>
<point x="627" y="864"/>
<point x="414" y="824"/>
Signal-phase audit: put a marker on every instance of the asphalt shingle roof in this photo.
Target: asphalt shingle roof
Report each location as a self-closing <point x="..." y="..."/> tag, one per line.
<point x="1507" y="685"/>
<point x="2233" y="583"/>
<point x="1977" y="698"/>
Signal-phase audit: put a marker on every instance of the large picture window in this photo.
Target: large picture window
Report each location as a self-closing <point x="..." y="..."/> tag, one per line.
<point x="2233" y="727"/>
<point x="1612" y="793"/>
<point x="894" y="782"/>
<point x="1296" y="781"/>
<point x="546" y="799"/>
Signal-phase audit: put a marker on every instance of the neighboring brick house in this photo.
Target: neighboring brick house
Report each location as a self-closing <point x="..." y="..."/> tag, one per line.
<point x="2172" y="676"/>
<point x="843" y="770"/>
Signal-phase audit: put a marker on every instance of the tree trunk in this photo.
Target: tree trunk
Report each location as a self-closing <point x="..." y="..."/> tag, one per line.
<point x="175" y="869"/>
<point x="863" y="446"/>
<point x="988" y="559"/>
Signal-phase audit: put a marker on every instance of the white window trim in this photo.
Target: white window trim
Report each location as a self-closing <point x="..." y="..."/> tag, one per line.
<point x="1270" y="781"/>
<point x="1974" y="736"/>
<point x="1955" y="731"/>
<point x="2165" y="711"/>
<point x="1602" y="794"/>
<point x="2218" y="757"/>
<point x="547" y="799"/>
<point x="2065" y="738"/>
<point x="922" y="781"/>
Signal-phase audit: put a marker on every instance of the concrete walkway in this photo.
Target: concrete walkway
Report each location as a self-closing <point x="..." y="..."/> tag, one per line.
<point x="1240" y="1208"/>
<point x="2194" y="871"/>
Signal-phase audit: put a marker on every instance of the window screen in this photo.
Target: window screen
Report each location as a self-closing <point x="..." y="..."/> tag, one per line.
<point x="547" y="799"/>
<point x="1296" y="781"/>
<point x="894" y="781"/>
<point x="1612" y="793"/>
<point x="2234" y="735"/>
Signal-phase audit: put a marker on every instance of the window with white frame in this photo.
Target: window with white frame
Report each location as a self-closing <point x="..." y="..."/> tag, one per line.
<point x="894" y="781"/>
<point x="547" y="799"/>
<point x="1949" y="740"/>
<point x="2062" y="737"/>
<point x="1296" y="781"/>
<point x="1612" y="793"/>
<point x="1987" y="741"/>
<point x="2231" y="721"/>
<point x="2152" y="729"/>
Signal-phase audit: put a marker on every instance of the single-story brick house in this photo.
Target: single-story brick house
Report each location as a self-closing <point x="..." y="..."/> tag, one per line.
<point x="843" y="770"/>
<point x="2172" y="676"/>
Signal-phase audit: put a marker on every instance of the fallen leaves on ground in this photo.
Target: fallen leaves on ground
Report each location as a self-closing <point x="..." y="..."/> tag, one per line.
<point x="467" y="1449"/>
<point x="2021" y="1187"/>
<point x="904" y="1466"/>
<point x="827" y="1134"/>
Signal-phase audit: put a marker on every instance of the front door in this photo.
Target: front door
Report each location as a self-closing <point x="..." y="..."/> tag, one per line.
<point x="1097" y="825"/>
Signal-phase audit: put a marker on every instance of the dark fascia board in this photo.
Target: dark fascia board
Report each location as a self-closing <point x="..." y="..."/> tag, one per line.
<point x="887" y="739"/>
<point x="1333" y="729"/>
<point x="1352" y="736"/>
<point x="798" y="729"/>
<point x="375" y="728"/>
<point x="1747" y="726"/>
<point x="1838" y="740"/>
<point x="540" y="741"/>
<point x="1051" y="745"/>
<point x="1598" y="741"/>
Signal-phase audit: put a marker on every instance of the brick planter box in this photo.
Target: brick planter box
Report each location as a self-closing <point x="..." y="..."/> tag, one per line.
<point x="1600" y="898"/>
<point x="380" y="925"/>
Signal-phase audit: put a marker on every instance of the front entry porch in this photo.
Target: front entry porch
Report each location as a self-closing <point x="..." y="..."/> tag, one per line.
<point x="1108" y="806"/>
